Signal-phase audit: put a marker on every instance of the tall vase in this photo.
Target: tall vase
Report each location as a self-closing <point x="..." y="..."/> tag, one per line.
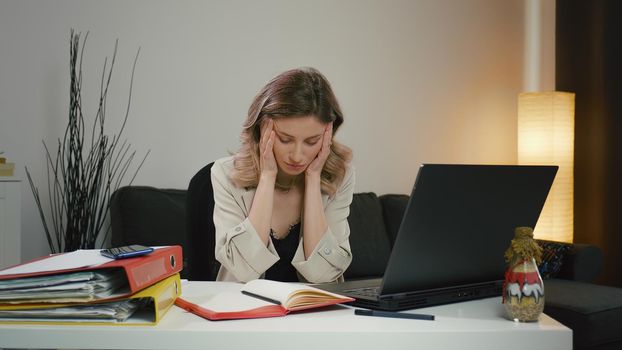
<point x="523" y="291"/>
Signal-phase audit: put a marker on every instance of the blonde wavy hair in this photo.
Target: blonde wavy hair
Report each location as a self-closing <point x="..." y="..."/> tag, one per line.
<point x="294" y="93"/>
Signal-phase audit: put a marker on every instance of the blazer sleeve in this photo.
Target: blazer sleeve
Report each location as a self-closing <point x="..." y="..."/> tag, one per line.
<point x="237" y="245"/>
<point x="332" y="255"/>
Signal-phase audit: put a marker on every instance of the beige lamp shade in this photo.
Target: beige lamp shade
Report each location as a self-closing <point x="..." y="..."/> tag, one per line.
<point x="546" y="137"/>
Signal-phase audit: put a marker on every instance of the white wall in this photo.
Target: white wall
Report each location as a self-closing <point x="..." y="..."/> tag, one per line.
<point x="419" y="81"/>
<point x="539" y="45"/>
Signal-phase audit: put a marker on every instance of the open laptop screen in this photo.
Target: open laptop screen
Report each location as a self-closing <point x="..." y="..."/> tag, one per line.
<point x="459" y="221"/>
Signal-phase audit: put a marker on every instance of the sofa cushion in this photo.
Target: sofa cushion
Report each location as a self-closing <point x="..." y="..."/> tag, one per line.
<point x="593" y="312"/>
<point x="368" y="237"/>
<point x="553" y="254"/>
<point x="393" y="208"/>
<point x="149" y="216"/>
<point x="583" y="263"/>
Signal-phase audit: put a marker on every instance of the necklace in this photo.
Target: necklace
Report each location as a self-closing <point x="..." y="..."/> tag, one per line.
<point x="274" y="235"/>
<point x="285" y="188"/>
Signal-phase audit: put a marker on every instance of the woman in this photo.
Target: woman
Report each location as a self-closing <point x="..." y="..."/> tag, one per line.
<point x="281" y="202"/>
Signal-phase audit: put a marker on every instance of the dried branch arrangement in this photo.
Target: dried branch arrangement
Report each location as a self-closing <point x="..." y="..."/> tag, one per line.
<point x="84" y="172"/>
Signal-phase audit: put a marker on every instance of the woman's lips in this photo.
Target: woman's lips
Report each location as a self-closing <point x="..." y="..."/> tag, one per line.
<point x="295" y="166"/>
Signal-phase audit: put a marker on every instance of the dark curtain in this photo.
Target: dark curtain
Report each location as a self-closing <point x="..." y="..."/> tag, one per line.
<point x="588" y="63"/>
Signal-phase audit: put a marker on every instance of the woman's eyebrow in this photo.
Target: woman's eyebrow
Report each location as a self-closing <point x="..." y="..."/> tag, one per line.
<point x="276" y="129"/>
<point x="281" y="133"/>
<point x="284" y="134"/>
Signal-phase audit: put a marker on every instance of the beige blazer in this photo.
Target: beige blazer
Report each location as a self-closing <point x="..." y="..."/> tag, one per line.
<point x="242" y="254"/>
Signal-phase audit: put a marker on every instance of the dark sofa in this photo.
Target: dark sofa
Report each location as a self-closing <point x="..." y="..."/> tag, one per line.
<point x="153" y="216"/>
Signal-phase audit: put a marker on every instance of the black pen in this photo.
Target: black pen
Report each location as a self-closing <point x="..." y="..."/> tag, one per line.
<point x="362" y="312"/>
<point x="261" y="297"/>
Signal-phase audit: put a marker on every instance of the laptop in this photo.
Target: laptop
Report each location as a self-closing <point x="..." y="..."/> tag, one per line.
<point x="458" y="223"/>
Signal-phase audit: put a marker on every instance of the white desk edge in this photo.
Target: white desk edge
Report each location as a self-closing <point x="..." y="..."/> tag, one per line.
<point x="478" y="324"/>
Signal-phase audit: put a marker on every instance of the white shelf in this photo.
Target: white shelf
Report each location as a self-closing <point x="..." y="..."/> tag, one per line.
<point x="10" y="221"/>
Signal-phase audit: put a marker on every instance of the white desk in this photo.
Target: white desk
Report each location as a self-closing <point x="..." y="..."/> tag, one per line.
<point x="474" y="325"/>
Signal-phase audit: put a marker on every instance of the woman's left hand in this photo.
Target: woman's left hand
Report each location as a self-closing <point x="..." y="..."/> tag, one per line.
<point x="316" y="166"/>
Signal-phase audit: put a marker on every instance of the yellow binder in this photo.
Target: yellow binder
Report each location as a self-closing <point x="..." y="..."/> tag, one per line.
<point x="154" y="302"/>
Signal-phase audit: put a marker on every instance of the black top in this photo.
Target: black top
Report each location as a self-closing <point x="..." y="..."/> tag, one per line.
<point x="283" y="270"/>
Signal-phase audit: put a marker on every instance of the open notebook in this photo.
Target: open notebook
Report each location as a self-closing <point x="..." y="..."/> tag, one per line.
<point x="260" y="298"/>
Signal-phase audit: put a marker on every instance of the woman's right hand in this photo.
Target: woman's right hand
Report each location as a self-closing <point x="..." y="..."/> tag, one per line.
<point x="267" y="162"/>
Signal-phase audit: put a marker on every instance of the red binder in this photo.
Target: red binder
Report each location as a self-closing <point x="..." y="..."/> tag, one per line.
<point x="141" y="271"/>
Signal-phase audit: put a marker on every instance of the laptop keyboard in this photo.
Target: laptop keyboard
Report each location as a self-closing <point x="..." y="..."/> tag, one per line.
<point x="365" y="291"/>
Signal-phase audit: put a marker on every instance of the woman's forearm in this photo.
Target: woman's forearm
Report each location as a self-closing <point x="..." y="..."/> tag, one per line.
<point x="314" y="218"/>
<point x="261" y="210"/>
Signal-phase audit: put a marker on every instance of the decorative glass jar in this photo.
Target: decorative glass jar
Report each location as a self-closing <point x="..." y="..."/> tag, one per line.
<point x="523" y="290"/>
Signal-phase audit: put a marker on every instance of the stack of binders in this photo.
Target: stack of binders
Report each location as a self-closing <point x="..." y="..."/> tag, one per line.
<point x="83" y="287"/>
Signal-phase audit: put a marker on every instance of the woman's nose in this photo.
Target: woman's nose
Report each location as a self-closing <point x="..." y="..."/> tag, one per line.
<point x="296" y="154"/>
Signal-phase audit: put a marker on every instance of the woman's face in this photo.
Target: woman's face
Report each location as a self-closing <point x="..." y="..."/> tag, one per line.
<point x="297" y="143"/>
